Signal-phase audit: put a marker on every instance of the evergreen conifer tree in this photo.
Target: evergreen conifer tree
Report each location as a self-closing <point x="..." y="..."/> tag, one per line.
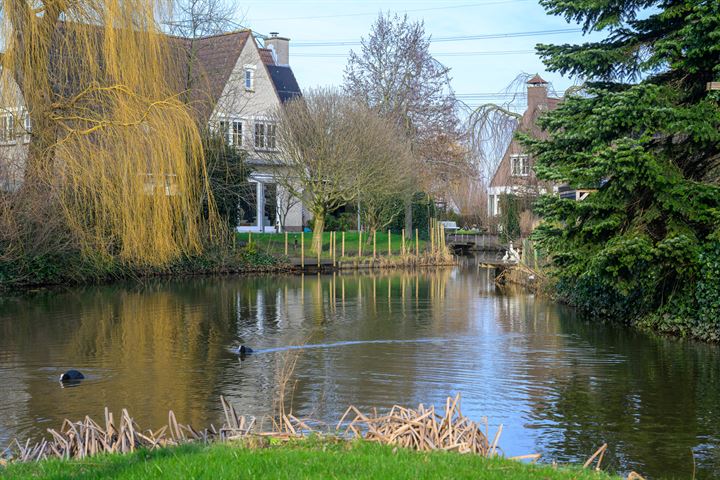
<point x="644" y="132"/>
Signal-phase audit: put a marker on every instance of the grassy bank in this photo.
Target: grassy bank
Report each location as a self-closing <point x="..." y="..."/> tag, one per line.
<point x="298" y="459"/>
<point x="274" y="244"/>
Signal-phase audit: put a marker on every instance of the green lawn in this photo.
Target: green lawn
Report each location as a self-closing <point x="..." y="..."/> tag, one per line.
<point x="274" y="243"/>
<point x="304" y="459"/>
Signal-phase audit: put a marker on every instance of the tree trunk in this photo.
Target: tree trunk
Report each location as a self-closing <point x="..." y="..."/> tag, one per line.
<point x="318" y="227"/>
<point x="409" y="218"/>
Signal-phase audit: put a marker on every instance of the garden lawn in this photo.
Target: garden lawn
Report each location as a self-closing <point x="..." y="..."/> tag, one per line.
<point x="274" y="243"/>
<point x="300" y="459"/>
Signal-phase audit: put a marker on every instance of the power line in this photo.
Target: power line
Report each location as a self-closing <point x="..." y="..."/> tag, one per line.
<point x="367" y="14"/>
<point x="439" y="54"/>
<point x="460" y="38"/>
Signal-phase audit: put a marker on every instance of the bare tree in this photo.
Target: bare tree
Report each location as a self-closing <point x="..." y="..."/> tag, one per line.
<point x="332" y="148"/>
<point x="200" y="18"/>
<point x="395" y="74"/>
<point x="286" y="201"/>
<point x="194" y="19"/>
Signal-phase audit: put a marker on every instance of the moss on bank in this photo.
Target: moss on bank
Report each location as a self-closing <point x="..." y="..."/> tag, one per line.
<point x="311" y="458"/>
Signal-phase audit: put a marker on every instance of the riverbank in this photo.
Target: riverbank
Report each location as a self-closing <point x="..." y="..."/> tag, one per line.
<point x="74" y="270"/>
<point x="250" y="254"/>
<point x="312" y="458"/>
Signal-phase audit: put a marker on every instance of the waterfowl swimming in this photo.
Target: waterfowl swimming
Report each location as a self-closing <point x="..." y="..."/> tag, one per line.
<point x="243" y="351"/>
<point x="71" y="376"/>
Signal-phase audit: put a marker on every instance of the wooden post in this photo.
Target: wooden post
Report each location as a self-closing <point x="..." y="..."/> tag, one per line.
<point x="389" y="243"/>
<point x="432" y="236"/>
<point x="302" y="249"/>
<point x="342" y="251"/>
<point x="319" y="252"/>
<point x="286" y="243"/>
<point x="402" y="244"/>
<point x="249" y="238"/>
<point x="417" y="243"/>
<point x="374" y="243"/>
<point x="334" y="241"/>
<point x="359" y="243"/>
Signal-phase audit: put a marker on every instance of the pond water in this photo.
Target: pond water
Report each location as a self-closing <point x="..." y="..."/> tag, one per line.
<point x="561" y="385"/>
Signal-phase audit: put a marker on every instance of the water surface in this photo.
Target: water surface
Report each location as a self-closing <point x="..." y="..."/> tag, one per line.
<point x="560" y="385"/>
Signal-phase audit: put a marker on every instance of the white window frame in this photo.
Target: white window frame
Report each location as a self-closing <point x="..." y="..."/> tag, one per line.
<point x="28" y="127"/>
<point x="249" y="78"/>
<point x="224" y="129"/>
<point x="265" y="135"/>
<point x="520" y="165"/>
<point x="236" y="133"/>
<point x="7" y="128"/>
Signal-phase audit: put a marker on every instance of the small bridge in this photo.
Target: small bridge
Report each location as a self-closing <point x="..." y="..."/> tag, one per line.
<point x="461" y="243"/>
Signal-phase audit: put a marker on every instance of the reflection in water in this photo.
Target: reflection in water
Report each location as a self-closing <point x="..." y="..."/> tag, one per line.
<point x="560" y="385"/>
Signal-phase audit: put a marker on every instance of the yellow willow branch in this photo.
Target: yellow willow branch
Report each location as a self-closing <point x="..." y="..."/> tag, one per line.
<point x="100" y="124"/>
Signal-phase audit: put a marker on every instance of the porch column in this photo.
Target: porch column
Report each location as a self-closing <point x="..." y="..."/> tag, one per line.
<point x="260" y="204"/>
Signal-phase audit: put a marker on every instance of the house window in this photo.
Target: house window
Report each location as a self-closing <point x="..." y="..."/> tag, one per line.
<point x="237" y="133"/>
<point x="7" y="128"/>
<point x="249" y="80"/>
<point x="224" y="130"/>
<point x="265" y="136"/>
<point x="27" y="126"/>
<point x="519" y="165"/>
<point x="259" y="135"/>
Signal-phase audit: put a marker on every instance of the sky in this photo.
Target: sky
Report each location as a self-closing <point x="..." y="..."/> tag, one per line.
<point x="481" y="69"/>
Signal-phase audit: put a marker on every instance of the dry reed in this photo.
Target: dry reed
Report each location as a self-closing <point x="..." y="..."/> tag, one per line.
<point x="423" y="429"/>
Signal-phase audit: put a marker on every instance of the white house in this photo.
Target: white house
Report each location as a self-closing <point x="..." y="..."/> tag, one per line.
<point x="237" y="84"/>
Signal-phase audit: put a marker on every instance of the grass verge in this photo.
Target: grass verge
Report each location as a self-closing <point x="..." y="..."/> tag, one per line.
<point x="274" y="243"/>
<point x="311" y="458"/>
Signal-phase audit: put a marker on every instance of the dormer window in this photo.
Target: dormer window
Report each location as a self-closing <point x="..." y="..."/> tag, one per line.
<point x="519" y="165"/>
<point x="249" y="78"/>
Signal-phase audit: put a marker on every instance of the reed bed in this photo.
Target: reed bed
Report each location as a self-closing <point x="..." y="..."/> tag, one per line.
<point x="86" y="438"/>
<point x="423" y="429"/>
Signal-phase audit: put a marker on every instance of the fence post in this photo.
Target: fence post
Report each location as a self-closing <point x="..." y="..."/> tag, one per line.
<point x="374" y="243"/>
<point x="402" y="245"/>
<point x="417" y="243"/>
<point x="432" y="236"/>
<point x="334" y="249"/>
<point x="389" y="243"/>
<point x="342" y="251"/>
<point x="359" y="244"/>
<point x="286" y="243"/>
<point x="319" y="252"/>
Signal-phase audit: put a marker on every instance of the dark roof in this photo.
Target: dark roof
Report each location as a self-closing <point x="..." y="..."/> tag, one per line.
<point x="285" y="83"/>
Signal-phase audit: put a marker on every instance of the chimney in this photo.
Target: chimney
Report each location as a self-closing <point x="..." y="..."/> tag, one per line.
<point x="537" y="93"/>
<point x="280" y="47"/>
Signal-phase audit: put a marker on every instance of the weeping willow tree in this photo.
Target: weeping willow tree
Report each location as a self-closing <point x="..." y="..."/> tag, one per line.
<point x="111" y="143"/>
